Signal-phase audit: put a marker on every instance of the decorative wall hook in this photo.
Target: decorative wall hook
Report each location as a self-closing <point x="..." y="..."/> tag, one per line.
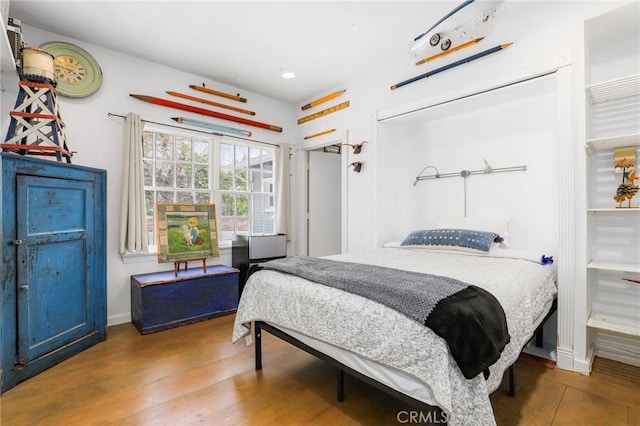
<point x="356" y="147"/>
<point x="357" y="166"/>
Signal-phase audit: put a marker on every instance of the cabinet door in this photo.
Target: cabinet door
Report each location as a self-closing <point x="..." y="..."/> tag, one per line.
<point x="55" y="252"/>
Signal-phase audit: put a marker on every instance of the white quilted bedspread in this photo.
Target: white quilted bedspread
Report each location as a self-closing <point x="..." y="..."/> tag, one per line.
<point x="374" y="331"/>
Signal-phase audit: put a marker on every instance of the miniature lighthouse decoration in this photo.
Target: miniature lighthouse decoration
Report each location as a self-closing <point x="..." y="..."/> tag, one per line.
<point x="625" y="159"/>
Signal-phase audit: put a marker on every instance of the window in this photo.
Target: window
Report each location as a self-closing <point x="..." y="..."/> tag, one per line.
<point x="237" y="177"/>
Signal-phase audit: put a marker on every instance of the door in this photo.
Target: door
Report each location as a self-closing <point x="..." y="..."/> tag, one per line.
<point x="324" y="204"/>
<point x="54" y="254"/>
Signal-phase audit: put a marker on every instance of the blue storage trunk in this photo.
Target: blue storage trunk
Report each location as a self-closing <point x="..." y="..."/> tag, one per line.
<point x="162" y="300"/>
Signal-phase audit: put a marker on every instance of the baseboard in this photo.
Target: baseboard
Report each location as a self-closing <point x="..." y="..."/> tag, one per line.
<point x="583" y="366"/>
<point x="618" y="356"/>
<point x="547" y="351"/>
<point x="564" y="359"/>
<point x="118" y="319"/>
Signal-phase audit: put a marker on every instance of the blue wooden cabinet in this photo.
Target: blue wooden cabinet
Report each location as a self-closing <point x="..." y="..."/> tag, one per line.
<point x="53" y="288"/>
<point x="162" y="300"/>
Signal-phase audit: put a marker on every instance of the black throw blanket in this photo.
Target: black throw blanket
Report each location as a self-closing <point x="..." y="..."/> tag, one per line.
<point x="467" y="317"/>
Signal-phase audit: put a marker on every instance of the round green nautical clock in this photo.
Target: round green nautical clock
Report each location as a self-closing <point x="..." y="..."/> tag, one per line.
<point x="77" y="72"/>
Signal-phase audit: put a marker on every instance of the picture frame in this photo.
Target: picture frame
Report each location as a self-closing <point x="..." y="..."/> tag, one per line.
<point x="186" y="231"/>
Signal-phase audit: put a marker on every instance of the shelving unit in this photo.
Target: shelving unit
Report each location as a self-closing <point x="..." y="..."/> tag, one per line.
<point x="8" y="72"/>
<point x="612" y="96"/>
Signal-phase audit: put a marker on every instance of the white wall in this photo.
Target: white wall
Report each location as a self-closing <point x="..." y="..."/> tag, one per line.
<point x="97" y="138"/>
<point x="543" y="33"/>
<point x="515" y="127"/>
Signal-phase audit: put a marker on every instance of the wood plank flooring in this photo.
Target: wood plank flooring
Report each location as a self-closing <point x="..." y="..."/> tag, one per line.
<point x="193" y="375"/>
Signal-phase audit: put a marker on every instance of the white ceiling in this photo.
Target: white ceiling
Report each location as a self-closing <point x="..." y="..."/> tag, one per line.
<point x="246" y="44"/>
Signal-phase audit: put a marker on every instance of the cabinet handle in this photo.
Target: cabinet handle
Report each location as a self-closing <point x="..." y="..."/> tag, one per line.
<point x="18" y="242"/>
<point x="24" y="287"/>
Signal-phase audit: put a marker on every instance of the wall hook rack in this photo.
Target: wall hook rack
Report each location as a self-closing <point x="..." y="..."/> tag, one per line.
<point x="357" y="166"/>
<point x="357" y="148"/>
<point x="466" y="173"/>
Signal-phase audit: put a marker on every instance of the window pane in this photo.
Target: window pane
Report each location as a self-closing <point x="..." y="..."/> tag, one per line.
<point x="241" y="180"/>
<point x="201" y="176"/>
<point x="226" y="155"/>
<point x="254" y="158"/>
<point x="242" y="157"/>
<point x="148" y="197"/>
<point x="228" y="205"/>
<point x="183" y="175"/>
<point x="267" y="160"/>
<point x="256" y="181"/>
<point x="242" y="205"/>
<point x="147" y="166"/>
<point x="164" y="146"/>
<point x="226" y="179"/>
<point x="227" y="228"/>
<point x="203" y="197"/>
<point x="267" y="176"/>
<point x="184" y="197"/>
<point x="164" y="197"/>
<point x="257" y="226"/>
<point x="147" y="144"/>
<point x="269" y="223"/>
<point x="164" y="173"/>
<point x="242" y="225"/>
<point x="183" y="148"/>
<point x="151" y="230"/>
<point x="201" y="152"/>
<point x="257" y="206"/>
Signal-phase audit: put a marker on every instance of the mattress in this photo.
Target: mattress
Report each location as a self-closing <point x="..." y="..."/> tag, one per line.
<point x="389" y="347"/>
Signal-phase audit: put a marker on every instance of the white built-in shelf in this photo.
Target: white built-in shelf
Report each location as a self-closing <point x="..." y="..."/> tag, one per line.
<point x="611" y="323"/>
<point x="8" y="72"/>
<point x="615" y="210"/>
<point x="614" y="266"/>
<point x="614" y="89"/>
<point x="614" y="142"/>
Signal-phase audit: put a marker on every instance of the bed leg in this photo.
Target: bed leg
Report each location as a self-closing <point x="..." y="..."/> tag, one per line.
<point x="258" y="345"/>
<point x="340" y="385"/>
<point x="540" y="337"/>
<point x="512" y="382"/>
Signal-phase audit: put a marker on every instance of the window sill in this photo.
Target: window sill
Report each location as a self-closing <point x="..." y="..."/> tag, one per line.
<point x="152" y="256"/>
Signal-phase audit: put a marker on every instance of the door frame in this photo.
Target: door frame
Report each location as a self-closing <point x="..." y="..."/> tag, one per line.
<point x="303" y="196"/>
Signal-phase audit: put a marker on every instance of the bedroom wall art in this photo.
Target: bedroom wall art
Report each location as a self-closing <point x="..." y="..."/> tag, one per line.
<point x="186" y="231"/>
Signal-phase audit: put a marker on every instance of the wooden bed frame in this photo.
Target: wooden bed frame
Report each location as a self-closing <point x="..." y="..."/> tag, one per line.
<point x="422" y="406"/>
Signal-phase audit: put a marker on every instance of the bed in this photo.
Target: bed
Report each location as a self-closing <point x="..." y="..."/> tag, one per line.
<point x="390" y="348"/>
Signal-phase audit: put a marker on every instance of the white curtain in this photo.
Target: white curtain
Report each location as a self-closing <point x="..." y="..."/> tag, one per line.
<point x="133" y="226"/>
<point x="283" y="189"/>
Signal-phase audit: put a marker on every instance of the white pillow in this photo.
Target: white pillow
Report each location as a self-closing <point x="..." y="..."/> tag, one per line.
<point x="499" y="225"/>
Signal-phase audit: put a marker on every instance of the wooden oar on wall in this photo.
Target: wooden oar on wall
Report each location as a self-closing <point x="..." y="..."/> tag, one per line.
<point x="208" y="112"/>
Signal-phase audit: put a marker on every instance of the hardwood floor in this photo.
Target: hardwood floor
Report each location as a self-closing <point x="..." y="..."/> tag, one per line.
<point x="192" y="375"/>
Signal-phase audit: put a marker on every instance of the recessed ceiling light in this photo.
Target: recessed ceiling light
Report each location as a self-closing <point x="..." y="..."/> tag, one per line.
<point x="288" y="74"/>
